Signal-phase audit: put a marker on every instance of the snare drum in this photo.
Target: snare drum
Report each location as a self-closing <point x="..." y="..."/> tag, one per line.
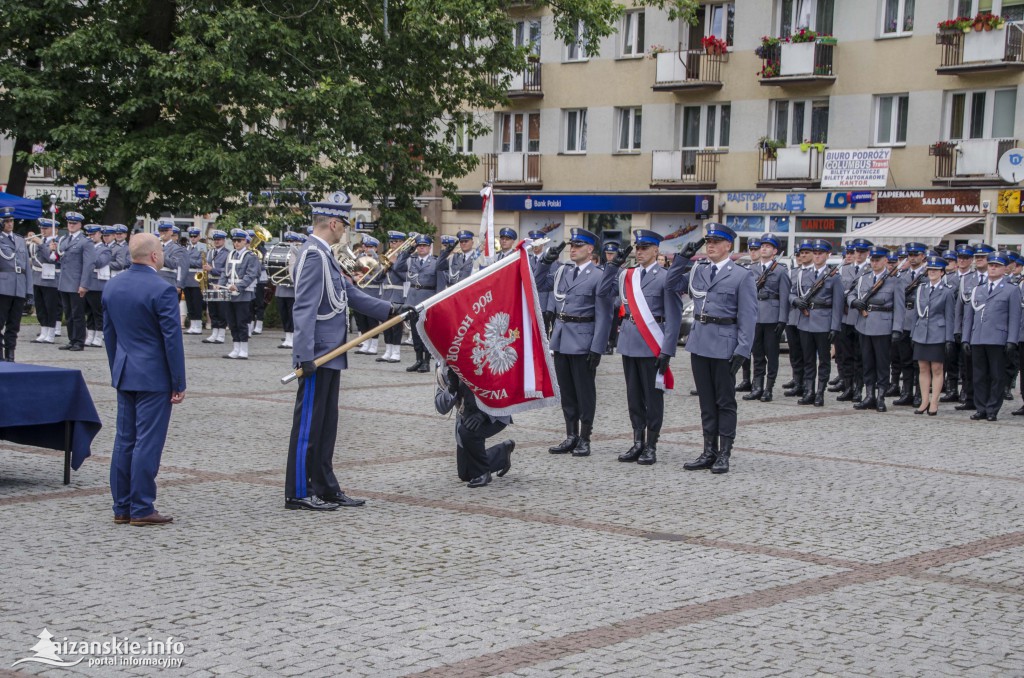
<point x="221" y="294"/>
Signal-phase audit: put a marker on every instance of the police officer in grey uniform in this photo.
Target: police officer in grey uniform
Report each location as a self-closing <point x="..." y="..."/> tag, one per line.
<point x="644" y="363"/>
<point x="423" y="270"/>
<point x="462" y="260"/>
<point x="911" y="277"/>
<point x="934" y="311"/>
<point x="724" y="315"/>
<point x="967" y="284"/>
<point x="957" y="278"/>
<point x="795" y="386"/>
<point x="506" y="241"/>
<point x="611" y="252"/>
<point x="820" y="317"/>
<point x="992" y="324"/>
<point x="392" y="289"/>
<point x="195" y="252"/>
<point x="44" y="278"/>
<point x="1019" y="282"/>
<point x="365" y="323"/>
<point x="120" y="258"/>
<point x="241" y="273"/>
<point x="771" y="280"/>
<point x="583" y="296"/>
<point x="98" y="278"/>
<point x="76" y="253"/>
<point x="15" y="282"/>
<point x="848" y="351"/>
<point x="175" y="258"/>
<point x="877" y="299"/>
<point x="214" y="266"/>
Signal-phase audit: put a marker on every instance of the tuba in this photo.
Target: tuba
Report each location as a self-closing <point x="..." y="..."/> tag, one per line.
<point x="262" y="236"/>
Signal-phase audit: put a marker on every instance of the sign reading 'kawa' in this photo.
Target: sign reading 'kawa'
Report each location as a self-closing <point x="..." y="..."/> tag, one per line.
<point x="929" y="202"/>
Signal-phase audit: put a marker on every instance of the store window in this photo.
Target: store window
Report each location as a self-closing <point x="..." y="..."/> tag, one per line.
<point x="599" y="223"/>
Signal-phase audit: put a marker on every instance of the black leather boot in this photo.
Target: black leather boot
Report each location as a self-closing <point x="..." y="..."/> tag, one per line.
<point x="633" y="453"/>
<point x="583" y="446"/>
<point x="416" y="365"/>
<point x="571" y="438"/>
<point x="796" y="390"/>
<point x="858" y="390"/>
<point x="790" y="384"/>
<point x="835" y="380"/>
<point x="952" y="394"/>
<point x="819" y="396"/>
<point x="847" y="393"/>
<point x="906" y="398"/>
<point x="894" y="389"/>
<point x="425" y="365"/>
<point x="808" y="397"/>
<point x="9" y="357"/>
<point x="721" y="464"/>
<point x="869" y="402"/>
<point x="648" y="456"/>
<point x="756" y="391"/>
<point x="766" y="397"/>
<point x="706" y="458"/>
<point x="917" y="394"/>
<point x="840" y="386"/>
<point x="880" y="405"/>
<point x="744" y="385"/>
<point x="1007" y="394"/>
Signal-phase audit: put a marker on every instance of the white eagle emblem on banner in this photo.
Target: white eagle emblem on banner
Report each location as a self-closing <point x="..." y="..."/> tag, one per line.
<point x="495" y="349"/>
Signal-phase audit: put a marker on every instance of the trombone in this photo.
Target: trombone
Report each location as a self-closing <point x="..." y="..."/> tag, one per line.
<point x="384" y="264"/>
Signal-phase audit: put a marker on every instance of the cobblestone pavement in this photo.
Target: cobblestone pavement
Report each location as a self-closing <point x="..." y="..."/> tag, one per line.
<point x="841" y="543"/>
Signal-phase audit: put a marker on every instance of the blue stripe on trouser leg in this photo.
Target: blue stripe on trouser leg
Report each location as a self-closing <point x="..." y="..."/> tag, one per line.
<point x="302" y="444"/>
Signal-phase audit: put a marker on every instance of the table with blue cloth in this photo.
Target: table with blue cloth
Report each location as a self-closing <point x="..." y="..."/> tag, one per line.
<point x="48" y="407"/>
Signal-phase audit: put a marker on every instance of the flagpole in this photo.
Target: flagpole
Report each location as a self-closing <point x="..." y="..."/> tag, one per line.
<point x="347" y="346"/>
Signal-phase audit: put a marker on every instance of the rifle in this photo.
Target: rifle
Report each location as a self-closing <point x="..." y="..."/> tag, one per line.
<point x="816" y="287"/>
<point x="763" y="278"/>
<point x="908" y="294"/>
<point x="874" y="290"/>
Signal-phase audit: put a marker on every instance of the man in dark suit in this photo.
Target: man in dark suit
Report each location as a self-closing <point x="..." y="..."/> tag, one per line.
<point x="147" y="365"/>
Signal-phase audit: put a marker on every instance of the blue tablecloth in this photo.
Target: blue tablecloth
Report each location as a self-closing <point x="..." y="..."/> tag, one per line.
<point x="36" y="401"/>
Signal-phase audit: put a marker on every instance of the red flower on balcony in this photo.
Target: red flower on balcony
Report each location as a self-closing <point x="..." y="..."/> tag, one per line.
<point x="714" y="45"/>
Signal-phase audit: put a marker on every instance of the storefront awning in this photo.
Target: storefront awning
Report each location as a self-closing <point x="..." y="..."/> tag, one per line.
<point x="916" y="227"/>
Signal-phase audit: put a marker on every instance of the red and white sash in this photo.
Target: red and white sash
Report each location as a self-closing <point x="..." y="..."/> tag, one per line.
<point x="649" y="329"/>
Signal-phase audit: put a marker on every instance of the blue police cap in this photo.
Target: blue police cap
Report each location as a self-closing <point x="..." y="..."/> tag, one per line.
<point x="464" y="235"/>
<point x="997" y="258"/>
<point x="936" y="262"/>
<point x="396" y="235"/>
<point x="120" y="228"/>
<point x="7" y="212"/>
<point x="448" y="240"/>
<point x="250" y="232"/>
<point x="901" y="253"/>
<point x="424" y="240"/>
<point x="195" y="230"/>
<point x="370" y="241"/>
<point x="536" y="235"/>
<point x="1016" y="258"/>
<point x="291" y="237"/>
<point x="92" y="228"/>
<point x="964" y="251"/>
<point x="74" y="216"/>
<point x="239" y="234"/>
<point x="821" y="246"/>
<point x="508" y="233"/>
<point x="167" y="225"/>
<point x="849" y="248"/>
<point x="875" y="252"/>
<point x="771" y="240"/>
<point x="611" y="247"/>
<point x="807" y="245"/>
<point x="713" y="230"/>
<point x="915" y="248"/>
<point x="645" y="237"/>
<point x="753" y="243"/>
<point x="331" y="209"/>
<point x="581" y="236"/>
<point x="949" y="255"/>
<point x="862" y="244"/>
<point x="893" y="257"/>
<point x="47" y="223"/>
<point x="219" y="235"/>
<point x="983" y="249"/>
<point x="108" y="230"/>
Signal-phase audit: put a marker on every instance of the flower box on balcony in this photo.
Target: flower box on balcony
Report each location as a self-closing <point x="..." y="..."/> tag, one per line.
<point x="984" y="45"/>
<point x="797" y="59"/>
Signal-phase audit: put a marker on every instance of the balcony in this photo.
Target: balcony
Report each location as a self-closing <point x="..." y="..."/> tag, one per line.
<point x="969" y="162"/>
<point x="688" y="71"/>
<point x="513" y="170"/>
<point x="1000" y="49"/>
<point x="687" y="168"/>
<point x="525" y="84"/>
<point x="790" y="167"/>
<point x="801" y="63"/>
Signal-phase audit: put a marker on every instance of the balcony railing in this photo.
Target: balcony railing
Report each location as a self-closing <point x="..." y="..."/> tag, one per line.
<point x="790" y="165"/>
<point x="688" y="70"/>
<point x="37" y="173"/>
<point x="975" y="51"/>
<point x="513" y="168"/>
<point x="525" y="83"/>
<point x="690" y="166"/>
<point x="969" y="160"/>
<point x="795" y="63"/>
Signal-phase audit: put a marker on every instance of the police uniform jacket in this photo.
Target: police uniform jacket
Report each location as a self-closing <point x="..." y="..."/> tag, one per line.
<point x="963" y="288"/>
<point x="423" y="275"/>
<point x="460" y="266"/>
<point x="906" y="278"/>
<point x="544" y="295"/>
<point x="194" y="254"/>
<point x="848" y="275"/>
<point x="175" y="264"/>
<point x="993" y="319"/>
<point x="794" y="313"/>
<point x="934" y="311"/>
<point x="731" y="295"/>
<point x="100" y="267"/>
<point x="773" y="298"/>
<point x="45" y="263"/>
<point x="887" y="310"/>
<point x="241" y="269"/>
<point x="392" y="283"/>
<point x="589" y="296"/>
<point x="15" y="271"/>
<point x="322" y="295"/>
<point x="666" y="306"/>
<point x="76" y="255"/>
<point x="826" y="317"/>
<point x="120" y="259"/>
<point x="218" y="261"/>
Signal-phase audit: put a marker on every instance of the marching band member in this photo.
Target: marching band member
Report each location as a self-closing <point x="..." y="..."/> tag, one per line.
<point x="241" y="273"/>
<point x="44" y="278"/>
<point x="934" y="311"/>
<point x="651" y="304"/>
<point x="15" y="282"/>
<point x="877" y="298"/>
<point x="216" y="262"/>
<point x="285" y="292"/>
<point x="392" y="289"/>
<point x="98" y="277"/>
<point x="175" y="266"/>
<point x="795" y="386"/>
<point x="259" y="298"/>
<point x="195" y="252"/>
<point x="75" y="253"/>
<point x="819" y="320"/>
<point x="771" y="281"/>
<point x="363" y="322"/>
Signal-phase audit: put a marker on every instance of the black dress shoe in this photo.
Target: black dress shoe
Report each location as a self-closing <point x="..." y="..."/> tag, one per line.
<point x="949" y="398"/>
<point x="1018" y="412"/>
<point x="978" y="416"/>
<point x="342" y="499"/>
<point x="582" y="449"/>
<point x="65" y="347"/>
<point x="964" y="406"/>
<point x="744" y="386"/>
<point x="76" y="347"/>
<point x="424" y="367"/>
<point x="565" y="446"/>
<point x="992" y="417"/>
<point x="693" y="391"/>
<point x="789" y="384"/>
<point x="313" y="503"/>
<point x="508" y="458"/>
<point x="480" y="481"/>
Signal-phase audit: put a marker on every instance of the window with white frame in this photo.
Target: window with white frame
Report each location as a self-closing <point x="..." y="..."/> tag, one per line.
<point x="898" y="17"/>
<point x="519" y="132"/>
<point x="576" y="50"/>
<point x="630" y="125"/>
<point x="795" y="121"/>
<point x="705" y="126"/>
<point x="1011" y="10"/>
<point x="717" y="19"/>
<point x="463" y="139"/>
<point x="632" y="43"/>
<point x="981" y="114"/>
<point x="575" y="130"/>
<point x="526" y="33"/>
<point x="792" y="15"/>
<point x="891" y="119"/>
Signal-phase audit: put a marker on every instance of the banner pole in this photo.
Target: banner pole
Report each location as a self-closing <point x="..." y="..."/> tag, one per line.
<point x="347" y="346"/>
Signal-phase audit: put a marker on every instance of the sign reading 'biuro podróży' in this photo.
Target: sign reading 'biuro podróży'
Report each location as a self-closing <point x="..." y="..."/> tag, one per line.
<point x="856" y="168"/>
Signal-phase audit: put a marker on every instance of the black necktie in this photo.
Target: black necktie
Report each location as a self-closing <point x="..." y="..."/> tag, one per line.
<point x="714" y="270"/>
<point x="575" y="273"/>
<point x="990" y="287"/>
<point x="643" y="274"/>
<point x="875" y="281"/>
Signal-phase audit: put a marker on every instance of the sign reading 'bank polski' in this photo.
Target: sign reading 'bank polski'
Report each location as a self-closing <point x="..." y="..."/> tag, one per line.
<point x="856" y="168"/>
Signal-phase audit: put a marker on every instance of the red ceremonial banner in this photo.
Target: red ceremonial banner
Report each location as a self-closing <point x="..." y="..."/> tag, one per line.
<point x="488" y="329"/>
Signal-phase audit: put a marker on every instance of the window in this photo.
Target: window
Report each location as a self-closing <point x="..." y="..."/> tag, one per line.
<point x="711" y="19"/>
<point x="526" y="33"/>
<point x="576" y="130"/>
<point x="898" y="18"/>
<point x="577" y="49"/>
<point x="705" y="126"/>
<point x="633" y="34"/>
<point x="796" y="14"/>
<point x="891" y="119"/>
<point x="983" y="114"/>
<point x="793" y="122"/>
<point x="519" y="132"/>
<point x="1011" y="10"/>
<point x="463" y="140"/>
<point x="630" y="120"/>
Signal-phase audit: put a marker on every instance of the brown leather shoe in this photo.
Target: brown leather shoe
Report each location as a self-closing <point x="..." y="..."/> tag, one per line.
<point x="153" y="518"/>
<point x="121" y="520"/>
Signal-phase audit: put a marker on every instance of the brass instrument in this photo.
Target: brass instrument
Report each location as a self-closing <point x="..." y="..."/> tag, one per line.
<point x="353" y="266"/>
<point x="262" y="236"/>
<point x="202" y="277"/>
<point x="381" y="266"/>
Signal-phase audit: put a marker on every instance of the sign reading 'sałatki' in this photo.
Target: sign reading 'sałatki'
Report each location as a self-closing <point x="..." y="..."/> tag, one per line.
<point x="856" y="168"/>
<point x="929" y="202"/>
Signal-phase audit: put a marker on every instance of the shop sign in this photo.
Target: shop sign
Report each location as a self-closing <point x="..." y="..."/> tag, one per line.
<point x="621" y="204"/>
<point x="929" y="202"/>
<point x="856" y="168"/>
<point x="821" y="225"/>
<point x="759" y="202"/>
<point x="837" y="201"/>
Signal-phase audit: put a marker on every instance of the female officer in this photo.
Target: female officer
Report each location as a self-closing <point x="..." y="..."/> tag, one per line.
<point x="932" y="333"/>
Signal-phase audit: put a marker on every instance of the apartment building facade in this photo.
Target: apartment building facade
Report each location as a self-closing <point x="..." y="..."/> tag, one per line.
<point x="805" y="118"/>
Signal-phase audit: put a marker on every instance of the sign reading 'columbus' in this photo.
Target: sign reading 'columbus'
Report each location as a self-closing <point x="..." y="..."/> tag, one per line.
<point x="856" y="168"/>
